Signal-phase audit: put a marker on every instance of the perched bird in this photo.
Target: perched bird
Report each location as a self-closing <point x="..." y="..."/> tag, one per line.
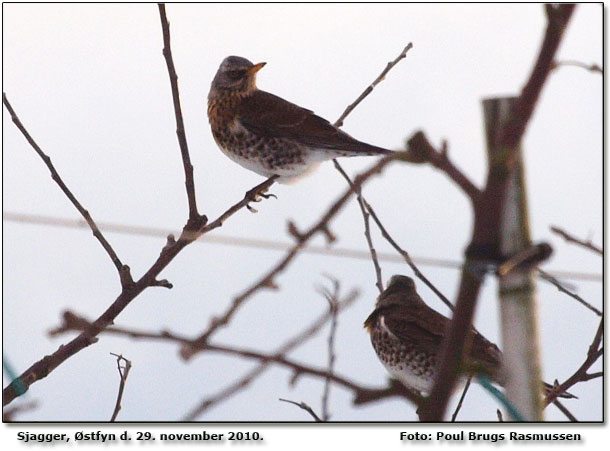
<point x="407" y="335"/>
<point x="267" y="134"/>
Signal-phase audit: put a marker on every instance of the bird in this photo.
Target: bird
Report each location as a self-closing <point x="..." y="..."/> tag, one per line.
<point x="267" y="134"/>
<point x="407" y="335"/>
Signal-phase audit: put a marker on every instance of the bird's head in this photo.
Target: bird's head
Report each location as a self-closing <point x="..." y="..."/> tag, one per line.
<point x="400" y="290"/>
<point x="235" y="75"/>
<point x="400" y="282"/>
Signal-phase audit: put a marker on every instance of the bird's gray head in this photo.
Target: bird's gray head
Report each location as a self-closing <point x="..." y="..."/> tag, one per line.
<point x="235" y="74"/>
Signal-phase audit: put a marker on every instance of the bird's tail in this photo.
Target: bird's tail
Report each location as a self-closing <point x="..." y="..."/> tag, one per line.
<point x="362" y="150"/>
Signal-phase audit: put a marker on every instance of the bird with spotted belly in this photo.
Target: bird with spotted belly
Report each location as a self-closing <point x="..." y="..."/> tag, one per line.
<point x="267" y="134"/>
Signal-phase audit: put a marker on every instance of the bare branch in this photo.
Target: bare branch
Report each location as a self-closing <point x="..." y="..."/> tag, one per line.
<point x="558" y="17"/>
<point x="406" y="257"/>
<point x="267" y="280"/>
<point x="485" y="242"/>
<point x="421" y="151"/>
<point x="194" y="228"/>
<point x="549" y="278"/>
<point x="333" y="302"/>
<point x="367" y="229"/>
<point x="84" y="213"/>
<point x="593" y="67"/>
<point x="305" y="407"/>
<point x="563" y="409"/>
<point x="8" y="415"/>
<point x="571" y="239"/>
<point x="370" y="88"/>
<point x="251" y="196"/>
<point x="123" y="373"/>
<point x="173" y="78"/>
<point x="581" y="375"/>
<point x="459" y="405"/>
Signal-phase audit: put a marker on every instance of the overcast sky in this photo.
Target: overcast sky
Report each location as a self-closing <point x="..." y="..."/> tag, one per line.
<point x="90" y="84"/>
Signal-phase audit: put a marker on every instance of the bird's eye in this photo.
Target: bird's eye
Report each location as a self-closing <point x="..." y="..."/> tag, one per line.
<point x="235" y="74"/>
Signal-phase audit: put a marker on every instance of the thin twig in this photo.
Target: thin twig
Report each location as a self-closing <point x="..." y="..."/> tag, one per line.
<point x="593" y="67"/>
<point x="122" y="270"/>
<point x="406" y="257"/>
<point x="123" y="373"/>
<point x="333" y="302"/>
<point x="339" y="123"/>
<point x="581" y="374"/>
<point x="565" y="411"/>
<point x="370" y="88"/>
<point x="571" y="239"/>
<point x="184" y="150"/>
<point x="277" y="356"/>
<point x="305" y="407"/>
<point x="459" y="405"/>
<point x="552" y="280"/>
<point x="367" y="229"/>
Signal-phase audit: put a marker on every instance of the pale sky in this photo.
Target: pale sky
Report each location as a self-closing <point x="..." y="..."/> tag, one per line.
<point x="90" y="84"/>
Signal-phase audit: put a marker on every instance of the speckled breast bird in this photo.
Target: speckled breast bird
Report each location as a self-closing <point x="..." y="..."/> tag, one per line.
<point x="407" y="335"/>
<point x="267" y="134"/>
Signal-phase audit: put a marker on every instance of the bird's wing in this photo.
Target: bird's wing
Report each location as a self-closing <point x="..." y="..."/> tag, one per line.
<point x="418" y="325"/>
<point x="268" y="115"/>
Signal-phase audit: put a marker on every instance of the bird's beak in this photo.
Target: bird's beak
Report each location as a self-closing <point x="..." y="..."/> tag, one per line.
<point x="254" y="69"/>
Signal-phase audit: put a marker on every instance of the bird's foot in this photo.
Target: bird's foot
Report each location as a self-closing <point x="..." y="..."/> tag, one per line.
<point x="258" y="193"/>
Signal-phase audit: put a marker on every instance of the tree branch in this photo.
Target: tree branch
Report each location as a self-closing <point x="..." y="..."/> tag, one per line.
<point x="485" y="242"/>
<point x="184" y="150"/>
<point x="267" y="281"/>
<point x="123" y="373"/>
<point x="423" y="152"/>
<point x="123" y="270"/>
<point x="370" y="88"/>
<point x="581" y="375"/>
<point x="571" y="239"/>
<point x="552" y="280"/>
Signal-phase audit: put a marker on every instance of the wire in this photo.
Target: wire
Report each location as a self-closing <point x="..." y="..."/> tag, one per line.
<point x="258" y="243"/>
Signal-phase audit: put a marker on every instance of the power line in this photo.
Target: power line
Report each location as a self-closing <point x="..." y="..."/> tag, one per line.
<point x="258" y="243"/>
